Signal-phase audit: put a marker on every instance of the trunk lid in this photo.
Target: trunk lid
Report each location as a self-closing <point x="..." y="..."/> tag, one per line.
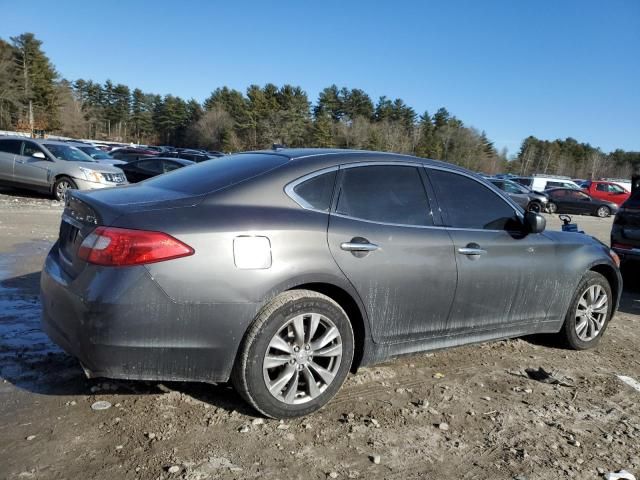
<point x="86" y="210"/>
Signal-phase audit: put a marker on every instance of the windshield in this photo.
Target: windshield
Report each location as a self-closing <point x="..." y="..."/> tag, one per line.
<point x="515" y="186"/>
<point x="216" y="174"/>
<point x="96" y="153"/>
<point x="70" y="154"/>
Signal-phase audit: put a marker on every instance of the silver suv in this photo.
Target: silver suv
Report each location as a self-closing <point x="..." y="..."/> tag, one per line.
<point x="53" y="167"/>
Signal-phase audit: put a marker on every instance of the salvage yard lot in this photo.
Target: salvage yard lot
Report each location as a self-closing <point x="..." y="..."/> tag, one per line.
<point x="467" y="413"/>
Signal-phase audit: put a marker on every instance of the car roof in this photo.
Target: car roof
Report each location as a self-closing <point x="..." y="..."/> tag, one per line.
<point x="335" y="156"/>
<point x="36" y="140"/>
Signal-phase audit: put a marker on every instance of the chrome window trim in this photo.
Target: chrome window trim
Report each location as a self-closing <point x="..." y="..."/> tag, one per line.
<point x="492" y="188"/>
<point x="289" y="189"/>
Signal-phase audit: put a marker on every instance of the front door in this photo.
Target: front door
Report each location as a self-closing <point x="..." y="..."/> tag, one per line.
<point x="381" y="235"/>
<point x="504" y="276"/>
<point x="32" y="170"/>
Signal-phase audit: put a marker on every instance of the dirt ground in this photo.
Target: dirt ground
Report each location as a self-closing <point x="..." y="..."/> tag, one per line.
<point x="467" y="413"/>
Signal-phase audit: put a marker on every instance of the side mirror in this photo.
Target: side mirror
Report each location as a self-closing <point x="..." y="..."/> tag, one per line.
<point x="534" y="222"/>
<point x="39" y="155"/>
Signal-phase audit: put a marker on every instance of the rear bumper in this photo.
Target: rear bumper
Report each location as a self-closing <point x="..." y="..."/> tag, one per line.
<point x="120" y="324"/>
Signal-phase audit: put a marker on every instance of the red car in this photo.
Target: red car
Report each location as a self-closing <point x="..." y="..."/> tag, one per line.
<point x="611" y="192"/>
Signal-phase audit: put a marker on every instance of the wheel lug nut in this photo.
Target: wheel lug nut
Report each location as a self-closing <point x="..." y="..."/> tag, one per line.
<point x="307" y="347"/>
<point x="296" y="349"/>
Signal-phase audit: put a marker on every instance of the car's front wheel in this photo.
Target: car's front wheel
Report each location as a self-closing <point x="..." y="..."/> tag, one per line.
<point x="535" y="207"/>
<point x="295" y="356"/>
<point x="62" y="185"/>
<point x="589" y="312"/>
<point x="552" y="207"/>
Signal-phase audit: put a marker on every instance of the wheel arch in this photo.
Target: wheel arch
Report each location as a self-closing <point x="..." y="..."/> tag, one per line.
<point x="355" y="312"/>
<point x="608" y="272"/>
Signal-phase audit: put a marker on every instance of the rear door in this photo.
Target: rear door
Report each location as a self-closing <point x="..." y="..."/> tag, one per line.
<point x="31" y="170"/>
<point x="9" y="148"/>
<point x="503" y="275"/>
<point x="382" y="236"/>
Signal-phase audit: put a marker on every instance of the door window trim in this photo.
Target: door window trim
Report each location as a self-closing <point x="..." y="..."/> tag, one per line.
<point x="492" y="188"/>
<point x="289" y="189"/>
<point x="417" y="165"/>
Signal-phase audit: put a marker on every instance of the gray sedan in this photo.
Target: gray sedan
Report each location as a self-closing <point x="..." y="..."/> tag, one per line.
<point x="283" y="270"/>
<point x="53" y="167"/>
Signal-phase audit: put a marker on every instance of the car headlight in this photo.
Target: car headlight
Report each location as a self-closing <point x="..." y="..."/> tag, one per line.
<point x="92" y="175"/>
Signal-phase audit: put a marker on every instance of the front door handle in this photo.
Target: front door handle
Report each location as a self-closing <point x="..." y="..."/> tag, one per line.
<point x="471" y="249"/>
<point x="358" y="247"/>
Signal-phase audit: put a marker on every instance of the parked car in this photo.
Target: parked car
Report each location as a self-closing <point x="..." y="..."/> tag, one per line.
<point x="623" y="182"/>
<point x="612" y="192"/>
<point x="569" y="200"/>
<point x="283" y="270"/>
<point x="53" y="167"/>
<point x="97" y="154"/>
<point x="140" y="170"/>
<point x="130" y="154"/>
<point x="625" y="232"/>
<point x="194" y="156"/>
<point x="527" y="199"/>
<point x="539" y="183"/>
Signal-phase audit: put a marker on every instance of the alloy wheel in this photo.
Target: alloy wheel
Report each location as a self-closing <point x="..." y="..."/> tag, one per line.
<point x="61" y="189"/>
<point x="603" y="212"/>
<point x="302" y="358"/>
<point x="591" y="312"/>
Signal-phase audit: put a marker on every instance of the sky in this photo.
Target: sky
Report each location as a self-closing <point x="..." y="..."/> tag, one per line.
<point x="551" y="69"/>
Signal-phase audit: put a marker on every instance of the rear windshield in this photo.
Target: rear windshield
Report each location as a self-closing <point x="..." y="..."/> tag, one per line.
<point x="217" y="173"/>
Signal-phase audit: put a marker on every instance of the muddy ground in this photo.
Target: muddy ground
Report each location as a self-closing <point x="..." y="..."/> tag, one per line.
<point x="466" y="413"/>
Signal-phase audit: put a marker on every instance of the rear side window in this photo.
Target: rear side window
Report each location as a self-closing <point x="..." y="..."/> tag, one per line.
<point x="207" y="177"/>
<point x="316" y="192"/>
<point x="469" y="204"/>
<point x="10" y="146"/>
<point x="386" y="194"/>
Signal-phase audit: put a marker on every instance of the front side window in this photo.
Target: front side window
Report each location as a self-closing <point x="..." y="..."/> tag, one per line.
<point x="30" y="148"/>
<point x="67" y="153"/>
<point x="316" y="192"/>
<point x="467" y="203"/>
<point x="10" y="146"/>
<point x="385" y="194"/>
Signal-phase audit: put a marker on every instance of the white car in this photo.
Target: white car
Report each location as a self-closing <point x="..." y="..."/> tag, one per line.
<point x="540" y="183"/>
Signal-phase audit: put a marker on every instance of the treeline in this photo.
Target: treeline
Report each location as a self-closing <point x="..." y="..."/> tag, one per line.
<point x="577" y="160"/>
<point x="33" y="96"/>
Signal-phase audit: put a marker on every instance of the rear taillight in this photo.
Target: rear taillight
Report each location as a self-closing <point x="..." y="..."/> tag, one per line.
<point x="111" y="246"/>
<point x="621" y="246"/>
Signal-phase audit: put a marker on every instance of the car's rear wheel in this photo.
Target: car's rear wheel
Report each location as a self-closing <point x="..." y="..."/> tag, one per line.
<point x="552" y="207"/>
<point x="535" y="207"/>
<point x="62" y="185"/>
<point x="603" y="211"/>
<point x="295" y="356"/>
<point x="589" y="312"/>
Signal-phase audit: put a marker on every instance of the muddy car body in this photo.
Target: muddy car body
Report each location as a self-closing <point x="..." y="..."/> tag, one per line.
<point x="283" y="270"/>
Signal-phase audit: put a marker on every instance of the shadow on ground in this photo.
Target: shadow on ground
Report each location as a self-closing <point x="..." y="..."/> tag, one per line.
<point x="32" y="362"/>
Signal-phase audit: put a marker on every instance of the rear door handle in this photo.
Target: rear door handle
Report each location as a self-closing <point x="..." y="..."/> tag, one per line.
<point x="358" y="247"/>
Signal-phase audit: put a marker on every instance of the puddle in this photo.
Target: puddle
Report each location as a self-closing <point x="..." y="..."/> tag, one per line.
<point x="28" y="359"/>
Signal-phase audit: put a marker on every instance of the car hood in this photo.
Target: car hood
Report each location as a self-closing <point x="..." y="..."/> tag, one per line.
<point x="97" y="166"/>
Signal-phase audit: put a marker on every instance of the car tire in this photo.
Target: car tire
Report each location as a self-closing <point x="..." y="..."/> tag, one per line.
<point x="285" y="367"/>
<point x="603" y="211"/>
<point x="587" y="319"/>
<point x="61" y="186"/>
<point x="535" y="207"/>
<point x="552" y="207"/>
